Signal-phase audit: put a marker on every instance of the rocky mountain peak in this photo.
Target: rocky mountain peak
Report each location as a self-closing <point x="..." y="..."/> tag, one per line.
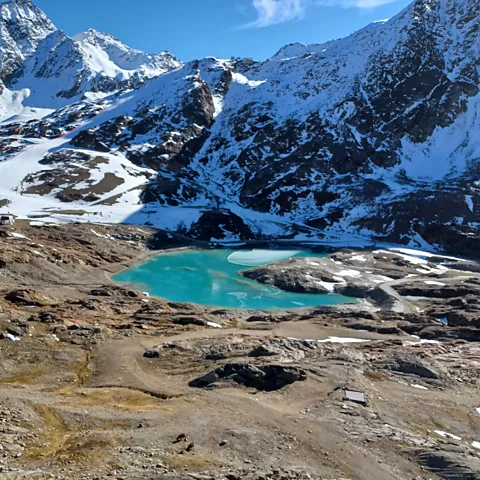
<point x="99" y="38"/>
<point x="19" y="8"/>
<point x="22" y="26"/>
<point x="25" y="23"/>
<point x="57" y="70"/>
<point x="122" y="55"/>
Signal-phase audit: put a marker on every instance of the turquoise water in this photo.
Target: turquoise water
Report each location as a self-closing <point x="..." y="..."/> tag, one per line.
<point x="206" y="277"/>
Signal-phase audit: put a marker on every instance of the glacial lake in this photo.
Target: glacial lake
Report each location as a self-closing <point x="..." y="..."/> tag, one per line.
<point x="212" y="277"/>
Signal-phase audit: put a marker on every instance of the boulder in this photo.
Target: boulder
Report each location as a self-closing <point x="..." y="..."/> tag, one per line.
<point x="47" y="317"/>
<point x="153" y="353"/>
<point x="358" y="288"/>
<point x="17" y="330"/>
<point x="28" y="298"/>
<point x="449" y="463"/>
<point x="189" y="321"/>
<point x="262" y="377"/>
<point x="409" y="364"/>
<point x="265" y="350"/>
<point x="101" y="292"/>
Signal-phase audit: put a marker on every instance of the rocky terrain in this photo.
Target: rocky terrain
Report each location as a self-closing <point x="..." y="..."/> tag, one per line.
<point x="101" y="381"/>
<point x="370" y="137"/>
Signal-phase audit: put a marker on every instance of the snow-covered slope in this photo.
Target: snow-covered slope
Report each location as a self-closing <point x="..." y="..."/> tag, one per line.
<point x="106" y="54"/>
<point x="49" y="70"/>
<point x="373" y="135"/>
<point x="92" y="65"/>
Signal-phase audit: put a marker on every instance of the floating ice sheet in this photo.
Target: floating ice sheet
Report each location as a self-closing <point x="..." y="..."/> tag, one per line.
<point x="257" y="257"/>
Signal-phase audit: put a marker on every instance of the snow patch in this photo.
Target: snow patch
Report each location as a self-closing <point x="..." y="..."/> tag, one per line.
<point x="446" y="435"/>
<point x="419" y="387"/>
<point x="469" y="200"/>
<point x="214" y="324"/>
<point x="343" y="340"/>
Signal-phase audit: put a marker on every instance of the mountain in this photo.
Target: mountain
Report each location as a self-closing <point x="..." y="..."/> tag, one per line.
<point x="367" y="137"/>
<point x="92" y="64"/>
<point x="45" y="69"/>
<point x="22" y="27"/>
<point x="106" y="54"/>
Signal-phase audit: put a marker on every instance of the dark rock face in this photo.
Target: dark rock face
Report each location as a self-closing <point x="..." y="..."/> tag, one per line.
<point x="199" y="106"/>
<point x="87" y="139"/>
<point x="449" y="463"/>
<point x="261" y="377"/>
<point x="218" y="224"/>
<point x="453" y="238"/>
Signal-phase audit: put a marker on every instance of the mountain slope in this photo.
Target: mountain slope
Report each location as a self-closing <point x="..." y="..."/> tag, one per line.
<point x="371" y="136"/>
<point x="106" y="54"/>
<point x="64" y="70"/>
<point x="22" y="27"/>
<point x="45" y="69"/>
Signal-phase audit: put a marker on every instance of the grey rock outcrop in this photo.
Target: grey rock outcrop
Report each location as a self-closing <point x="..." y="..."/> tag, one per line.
<point x="410" y="365"/>
<point x="262" y="377"/>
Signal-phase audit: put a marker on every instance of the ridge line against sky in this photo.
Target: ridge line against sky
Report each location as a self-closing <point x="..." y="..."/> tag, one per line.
<point x="220" y="28"/>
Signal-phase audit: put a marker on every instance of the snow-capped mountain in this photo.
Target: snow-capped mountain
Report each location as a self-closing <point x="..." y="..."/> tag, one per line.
<point x="90" y="65"/>
<point x="106" y="54"/>
<point x="22" y="27"/>
<point x="374" y="135"/>
<point x="45" y="69"/>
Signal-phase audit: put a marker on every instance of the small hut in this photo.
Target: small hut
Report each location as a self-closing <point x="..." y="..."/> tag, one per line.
<point x="6" y="219"/>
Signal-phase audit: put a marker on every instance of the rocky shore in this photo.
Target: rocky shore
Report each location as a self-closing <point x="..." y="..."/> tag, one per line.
<point x="101" y="381"/>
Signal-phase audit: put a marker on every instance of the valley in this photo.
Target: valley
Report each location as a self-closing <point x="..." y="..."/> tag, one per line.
<point x="156" y="318"/>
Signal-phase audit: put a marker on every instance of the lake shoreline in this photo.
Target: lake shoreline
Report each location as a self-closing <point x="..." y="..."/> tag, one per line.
<point x="209" y="279"/>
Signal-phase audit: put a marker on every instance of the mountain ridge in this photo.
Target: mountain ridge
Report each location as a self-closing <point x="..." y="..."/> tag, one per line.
<point x="53" y="70"/>
<point x="22" y="26"/>
<point x="369" y="136"/>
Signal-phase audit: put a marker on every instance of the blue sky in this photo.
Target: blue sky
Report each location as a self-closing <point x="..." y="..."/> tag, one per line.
<point x="223" y="28"/>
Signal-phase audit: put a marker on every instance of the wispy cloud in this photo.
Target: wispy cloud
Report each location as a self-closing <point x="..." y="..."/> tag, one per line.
<point x="353" y="3"/>
<point x="272" y="12"/>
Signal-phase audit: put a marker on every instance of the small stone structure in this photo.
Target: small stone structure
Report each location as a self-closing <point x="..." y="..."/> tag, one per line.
<point x="6" y="219"/>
